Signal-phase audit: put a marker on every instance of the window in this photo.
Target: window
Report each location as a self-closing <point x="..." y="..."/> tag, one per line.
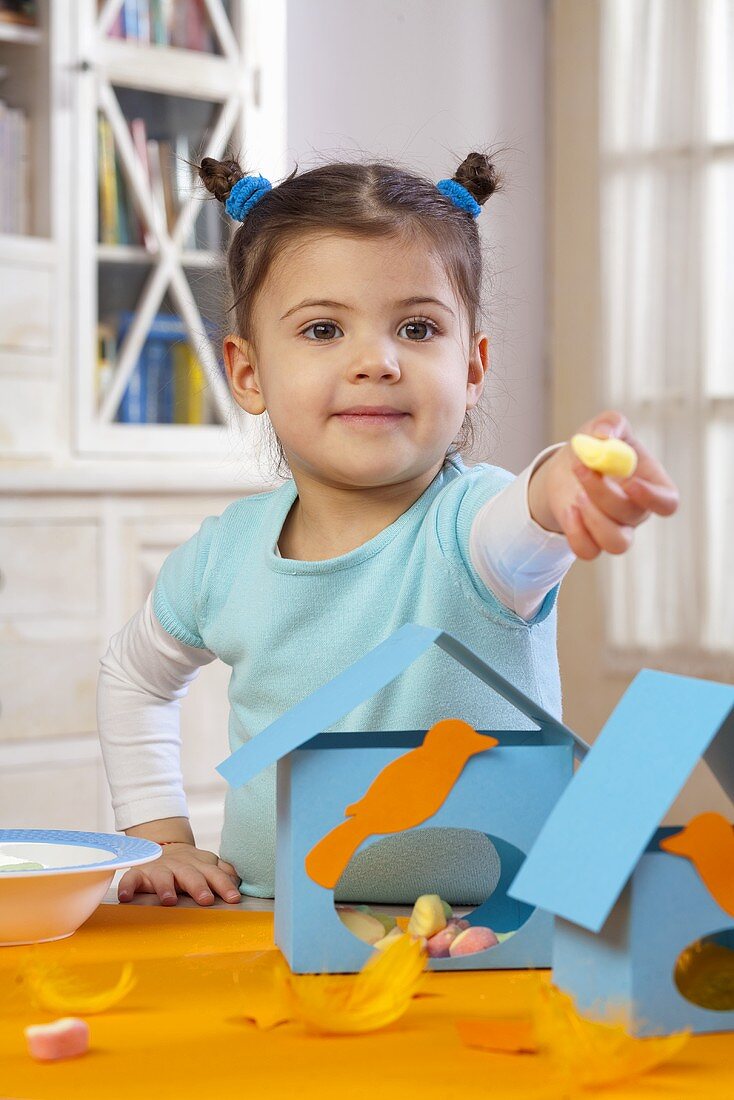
<point x="667" y="254"/>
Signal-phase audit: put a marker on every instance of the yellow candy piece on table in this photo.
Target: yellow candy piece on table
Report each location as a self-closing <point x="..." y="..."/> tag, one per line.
<point x="428" y="916"/>
<point x="612" y="457"/>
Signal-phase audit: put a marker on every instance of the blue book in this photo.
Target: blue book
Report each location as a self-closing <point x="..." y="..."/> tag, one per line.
<point x="149" y="397"/>
<point x="157" y="373"/>
<point x="130" y="18"/>
<point x="132" y="408"/>
<point x="164" y="326"/>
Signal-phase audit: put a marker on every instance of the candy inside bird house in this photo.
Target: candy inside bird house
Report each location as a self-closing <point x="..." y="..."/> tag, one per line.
<point x="340" y="792"/>
<point x="645" y="913"/>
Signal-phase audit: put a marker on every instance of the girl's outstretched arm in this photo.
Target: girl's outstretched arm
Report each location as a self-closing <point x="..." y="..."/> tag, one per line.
<point x="516" y="558"/>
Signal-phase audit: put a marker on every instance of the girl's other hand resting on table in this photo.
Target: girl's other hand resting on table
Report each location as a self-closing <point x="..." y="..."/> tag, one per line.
<point x="182" y="869"/>
<point x="593" y="511"/>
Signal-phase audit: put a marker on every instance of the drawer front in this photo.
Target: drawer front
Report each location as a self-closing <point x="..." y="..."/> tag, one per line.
<point x="26" y="307"/>
<point x="48" y="569"/>
<point x="29" y="416"/>
<point x="48" y="679"/>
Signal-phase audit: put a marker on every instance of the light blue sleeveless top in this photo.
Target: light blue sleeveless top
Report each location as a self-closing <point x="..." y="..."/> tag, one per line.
<point x="285" y="627"/>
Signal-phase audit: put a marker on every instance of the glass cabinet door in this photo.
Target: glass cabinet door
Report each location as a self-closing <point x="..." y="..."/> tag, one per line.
<point x="163" y="83"/>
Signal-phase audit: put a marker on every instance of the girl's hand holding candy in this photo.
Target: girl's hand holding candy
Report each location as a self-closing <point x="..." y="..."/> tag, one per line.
<point x="192" y="870"/>
<point x="595" y="511"/>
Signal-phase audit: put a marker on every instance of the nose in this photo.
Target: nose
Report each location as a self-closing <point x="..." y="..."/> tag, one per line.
<point x="375" y="360"/>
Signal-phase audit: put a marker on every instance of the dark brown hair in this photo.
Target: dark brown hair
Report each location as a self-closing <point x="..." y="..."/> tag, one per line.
<point x="362" y="200"/>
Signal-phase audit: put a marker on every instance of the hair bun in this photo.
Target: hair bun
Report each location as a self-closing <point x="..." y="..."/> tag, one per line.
<point x="479" y="176"/>
<point x="220" y="176"/>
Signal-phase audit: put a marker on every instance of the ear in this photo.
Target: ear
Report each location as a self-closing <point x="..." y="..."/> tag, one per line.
<point x="478" y="367"/>
<point x="241" y="367"/>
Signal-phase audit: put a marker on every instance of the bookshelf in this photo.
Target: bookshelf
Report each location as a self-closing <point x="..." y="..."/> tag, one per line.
<point x="25" y="103"/>
<point x="90" y="506"/>
<point x="111" y="252"/>
<point x="161" y="85"/>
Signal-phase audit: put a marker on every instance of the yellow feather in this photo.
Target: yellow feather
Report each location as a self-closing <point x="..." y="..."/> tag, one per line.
<point x="374" y="998"/>
<point x="57" y="990"/>
<point x="595" y="1054"/>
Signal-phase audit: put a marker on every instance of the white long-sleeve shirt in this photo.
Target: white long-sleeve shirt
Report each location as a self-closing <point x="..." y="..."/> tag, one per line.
<point x="146" y="671"/>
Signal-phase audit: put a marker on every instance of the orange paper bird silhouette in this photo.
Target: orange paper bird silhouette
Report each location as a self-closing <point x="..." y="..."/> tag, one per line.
<point x="406" y="792"/>
<point x="708" y="841"/>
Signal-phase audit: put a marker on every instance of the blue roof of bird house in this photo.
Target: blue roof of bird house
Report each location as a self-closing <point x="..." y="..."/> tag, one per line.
<point x="359" y="682"/>
<point x="603" y="821"/>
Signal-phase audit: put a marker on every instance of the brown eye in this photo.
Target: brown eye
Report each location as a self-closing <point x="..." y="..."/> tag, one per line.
<point x="417" y="330"/>
<point x="323" y="331"/>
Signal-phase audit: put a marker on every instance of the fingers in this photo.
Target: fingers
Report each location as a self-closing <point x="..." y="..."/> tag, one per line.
<point x="203" y="883"/>
<point x="577" y="534"/>
<point x="193" y="882"/>
<point x="651" y="488"/>
<point x="610" y="497"/>
<point x="589" y="531"/>
<point x="202" y="879"/>
<point x="130" y="883"/>
<point x="223" y="884"/>
<point x="662" y="498"/>
<point x="163" y="882"/>
<point x="606" y="533"/>
<point x="157" y="880"/>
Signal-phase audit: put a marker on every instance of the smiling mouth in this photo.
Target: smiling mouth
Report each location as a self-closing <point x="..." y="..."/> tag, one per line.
<point x="374" y="419"/>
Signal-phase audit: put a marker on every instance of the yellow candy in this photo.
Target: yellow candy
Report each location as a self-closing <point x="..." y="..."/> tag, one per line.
<point x="428" y="916"/>
<point x="613" y="457"/>
<point x="362" y="925"/>
<point x="386" y="941"/>
<point x="387" y="922"/>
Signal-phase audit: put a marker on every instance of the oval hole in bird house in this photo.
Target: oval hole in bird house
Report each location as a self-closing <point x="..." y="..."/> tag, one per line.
<point x="704" y="971"/>
<point x="467" y="869"/>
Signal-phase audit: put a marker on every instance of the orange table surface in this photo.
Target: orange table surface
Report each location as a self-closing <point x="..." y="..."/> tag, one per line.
<point x="182" y="1031"/>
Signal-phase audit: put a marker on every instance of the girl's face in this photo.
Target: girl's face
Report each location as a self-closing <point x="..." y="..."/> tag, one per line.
<point x="343" y="322"/>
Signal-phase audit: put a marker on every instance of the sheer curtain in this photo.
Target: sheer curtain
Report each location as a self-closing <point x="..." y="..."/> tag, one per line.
<point x="667" y="245"/>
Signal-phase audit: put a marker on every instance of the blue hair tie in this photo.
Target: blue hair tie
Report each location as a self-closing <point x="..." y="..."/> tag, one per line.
<point x="459" y="196"/>
<point x="244" y="195"/>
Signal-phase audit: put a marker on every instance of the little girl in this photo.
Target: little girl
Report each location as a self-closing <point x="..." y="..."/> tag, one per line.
<point x="357" y="295"/>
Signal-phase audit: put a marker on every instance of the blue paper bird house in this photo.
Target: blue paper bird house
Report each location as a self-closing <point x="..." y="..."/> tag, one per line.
<point x="336" y="789"/>
<point x="642" y="933"/>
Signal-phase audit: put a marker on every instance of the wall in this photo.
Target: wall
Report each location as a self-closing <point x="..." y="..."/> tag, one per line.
<point x="425" y="82"/>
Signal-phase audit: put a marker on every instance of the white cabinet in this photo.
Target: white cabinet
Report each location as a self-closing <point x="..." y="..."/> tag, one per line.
<point x="66" y="586"/>
<point x="89" y="505"/>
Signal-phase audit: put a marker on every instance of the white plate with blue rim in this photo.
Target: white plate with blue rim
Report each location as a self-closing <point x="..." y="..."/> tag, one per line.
<point x="52" y="880"/>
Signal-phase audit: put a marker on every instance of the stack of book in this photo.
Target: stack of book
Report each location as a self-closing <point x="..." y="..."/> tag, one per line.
<point x="20" y="12"/>
<point x="171" y="179"/>
<point x="14" y="170"/>
<point x="168" y="384"/>
<point x="182" y="23"/>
